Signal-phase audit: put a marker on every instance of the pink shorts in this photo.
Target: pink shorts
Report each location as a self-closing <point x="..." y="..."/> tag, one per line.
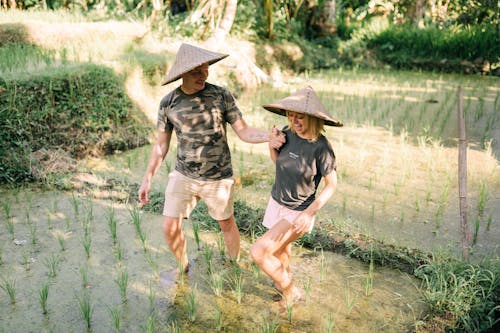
<point x="183" y="193"/>
<point x="276" y="212"/>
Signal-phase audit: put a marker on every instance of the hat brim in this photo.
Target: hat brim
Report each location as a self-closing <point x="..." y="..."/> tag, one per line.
<point x="168" y="79"/>
<point x="281" y="110"/>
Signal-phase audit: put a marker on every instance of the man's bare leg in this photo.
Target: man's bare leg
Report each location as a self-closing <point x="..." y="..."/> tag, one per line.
<point x="231" y="236"/>
<point x="174" y="236"/>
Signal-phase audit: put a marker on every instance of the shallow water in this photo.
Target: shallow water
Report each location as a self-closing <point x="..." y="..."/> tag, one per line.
<point x="336" y="293"/>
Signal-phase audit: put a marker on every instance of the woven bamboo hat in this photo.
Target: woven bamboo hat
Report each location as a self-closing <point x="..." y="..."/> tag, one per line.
<point x="303" y="101"/>
<point x="189" y="57"/>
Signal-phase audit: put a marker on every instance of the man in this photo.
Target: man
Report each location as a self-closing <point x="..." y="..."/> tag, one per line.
<point x="198" y="113"/>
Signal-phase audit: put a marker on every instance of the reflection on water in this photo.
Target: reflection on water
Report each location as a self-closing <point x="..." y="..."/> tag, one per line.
<point x="340" y="293"/>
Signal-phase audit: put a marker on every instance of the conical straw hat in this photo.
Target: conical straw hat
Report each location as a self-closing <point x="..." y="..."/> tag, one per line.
<point x="303" y="101"/>
<point x="189" y="57"/>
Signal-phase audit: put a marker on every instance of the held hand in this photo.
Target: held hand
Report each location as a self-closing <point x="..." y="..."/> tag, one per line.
<point x="144" y="192"/>
<point x="276" y="138"/>
<point x="302" y="223"/>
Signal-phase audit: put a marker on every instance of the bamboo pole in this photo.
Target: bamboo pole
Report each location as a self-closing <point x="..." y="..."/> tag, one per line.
<point x="462" y="177"/>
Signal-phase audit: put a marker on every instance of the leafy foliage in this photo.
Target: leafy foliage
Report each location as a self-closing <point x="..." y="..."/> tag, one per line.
<point x="469" y="292"/>
<point x="83" y="109"/>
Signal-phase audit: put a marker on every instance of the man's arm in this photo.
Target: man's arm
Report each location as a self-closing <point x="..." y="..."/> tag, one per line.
<point x="255" y="135"/>
<point x="158" y="153"/>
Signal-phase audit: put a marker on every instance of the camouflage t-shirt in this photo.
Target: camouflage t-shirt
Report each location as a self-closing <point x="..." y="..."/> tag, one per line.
<point x="200" y="122"/>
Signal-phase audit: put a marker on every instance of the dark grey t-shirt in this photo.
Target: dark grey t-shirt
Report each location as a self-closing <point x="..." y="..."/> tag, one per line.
<point x="200" y="122"/>
<point x="299" y="168"/>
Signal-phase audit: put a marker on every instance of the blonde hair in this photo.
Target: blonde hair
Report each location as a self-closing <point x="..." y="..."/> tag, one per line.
<point x="316" y="126"/>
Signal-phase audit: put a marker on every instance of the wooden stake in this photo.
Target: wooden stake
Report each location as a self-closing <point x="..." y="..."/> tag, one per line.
<point x="462" y="178"/>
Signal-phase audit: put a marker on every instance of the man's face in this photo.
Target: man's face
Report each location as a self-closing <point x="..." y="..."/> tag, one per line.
<point x="194" y="80"/>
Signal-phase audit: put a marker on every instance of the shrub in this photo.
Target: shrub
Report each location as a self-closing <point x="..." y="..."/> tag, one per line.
<point x="82" y="109"/>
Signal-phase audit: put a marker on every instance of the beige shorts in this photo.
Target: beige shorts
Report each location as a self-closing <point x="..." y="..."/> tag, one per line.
<point x="183" y="193"/>
<point x="276" y="212"/>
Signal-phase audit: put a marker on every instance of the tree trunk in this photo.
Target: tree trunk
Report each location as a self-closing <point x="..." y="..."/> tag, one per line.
<point x="223" y="29"/>
<point x="329" y="11"/>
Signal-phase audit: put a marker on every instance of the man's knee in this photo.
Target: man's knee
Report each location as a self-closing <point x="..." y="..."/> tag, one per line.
<point x="227" y="224"/>
<point x="171" y="226"/>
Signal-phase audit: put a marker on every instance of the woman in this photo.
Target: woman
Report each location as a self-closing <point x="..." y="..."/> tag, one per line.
<point x="301" y="163"/>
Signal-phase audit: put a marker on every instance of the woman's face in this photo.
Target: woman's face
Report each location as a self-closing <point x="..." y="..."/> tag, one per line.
<point x="298" y="121"/>
<point x="194" y="80"/>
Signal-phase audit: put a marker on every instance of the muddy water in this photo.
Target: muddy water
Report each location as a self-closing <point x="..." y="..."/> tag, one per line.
<point x="45" y="243"/>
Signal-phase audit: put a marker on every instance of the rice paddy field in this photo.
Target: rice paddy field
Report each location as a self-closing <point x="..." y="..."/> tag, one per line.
<point x="89" y="259"/>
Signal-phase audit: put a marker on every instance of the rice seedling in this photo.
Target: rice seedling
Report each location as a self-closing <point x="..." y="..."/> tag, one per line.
<point x="488" y="224"/>
<point x="8" y="218"/>
<point x="153" y="263"/>
<point x="307" y="286"/>
<point x="49" y="221"/>
<point x="122" y="282"/>
<point x="218" y="319"/>
<point x="369" y="277"/>
<point x="6" y="209"/>
<point x="67" y="220"/>
<point x="350" y="300"/>
<point x="269" y="326"/>
<point x="86" y="308"/>
<point x="207" y="255"/>
<point x="216" y="282"/>
<point x="237" y="282"/>
<point x="190" y="306"/>
<point x="54" y="207"/>
<point x="61" y="239"/>
<point x="221" y="245"/>
<point x="289" y="311"/>
<point x="150" y="326"/>
<point x="136" y="219"/>
<point x="322" y="266"/>
<point x="9" y="286"/>
<point x="196" y="234"/>
<point x="173" y="327"/>
<point x="85" y="277"/>
<point x="112" y="224"/>
<point x="52" y="263"/>
<point x="26" y="260"/>
<point x="330" y="323"/>
<point x="255" y="270"/>
<point x="483" y="198"/>
<point x="151" y="297"/>
<point x="43" y="295"/>
<point x="115" y="314"/>
<point x="344" y="205"/>
<point x="118" y="250"/>
<point x="477" y="222"/>
<point x="87" y="242"/>
<point x="27" y="217"/>
<point x="33" y="234"/>
<point x="75" y="205"/>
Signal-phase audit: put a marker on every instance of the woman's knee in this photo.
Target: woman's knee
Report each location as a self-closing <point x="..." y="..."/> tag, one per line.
<point x="258" y="252"/>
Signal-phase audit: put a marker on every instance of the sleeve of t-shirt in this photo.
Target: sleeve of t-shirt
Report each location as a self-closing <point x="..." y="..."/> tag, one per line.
<point x="232" y="112"/>
<point x="326" y="160"/>
<point x="162" y="123"/>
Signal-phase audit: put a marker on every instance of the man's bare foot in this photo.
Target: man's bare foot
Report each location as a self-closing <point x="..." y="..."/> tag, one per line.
<point x="170" y="278"/>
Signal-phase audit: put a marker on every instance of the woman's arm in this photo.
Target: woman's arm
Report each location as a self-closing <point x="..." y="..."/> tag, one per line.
<point x="303" y="222"/>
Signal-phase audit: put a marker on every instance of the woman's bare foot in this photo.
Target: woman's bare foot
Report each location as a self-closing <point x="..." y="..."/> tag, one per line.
<point x="291" y="297"/>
